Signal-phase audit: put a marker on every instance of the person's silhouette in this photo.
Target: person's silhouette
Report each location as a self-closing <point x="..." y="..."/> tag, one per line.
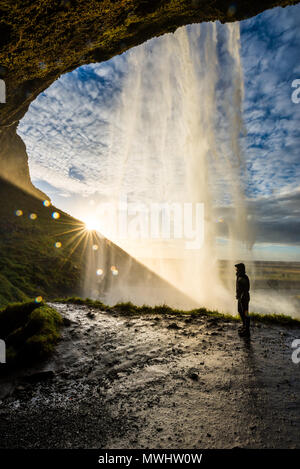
<point x="243" y="297"/>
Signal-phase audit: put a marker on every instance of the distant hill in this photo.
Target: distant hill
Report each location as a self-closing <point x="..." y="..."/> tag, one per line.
<point x="32" y="264"/>
<point x="270" y="274"/>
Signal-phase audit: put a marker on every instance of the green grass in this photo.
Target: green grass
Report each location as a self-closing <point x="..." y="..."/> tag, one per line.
<point x="30" y="331"/>
<point x="10" y="292"/>
<point x="85" y="302"/>
<point x="281" y="319"/>
<point x="30" y="264"/>
<point x="129" y="308"/>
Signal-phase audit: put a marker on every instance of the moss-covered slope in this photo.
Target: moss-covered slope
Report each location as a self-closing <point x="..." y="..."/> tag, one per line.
<point x="32" y="264"/>
<point x="30" y="331"/>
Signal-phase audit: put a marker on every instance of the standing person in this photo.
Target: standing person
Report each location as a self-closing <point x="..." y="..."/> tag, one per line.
<point x="243" y="297"/>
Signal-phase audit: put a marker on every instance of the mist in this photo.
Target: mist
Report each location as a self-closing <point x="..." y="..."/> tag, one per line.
<point x="174" y="138"/>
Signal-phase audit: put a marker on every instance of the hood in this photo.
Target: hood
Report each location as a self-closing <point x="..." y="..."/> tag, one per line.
<point x="240" y="268"/>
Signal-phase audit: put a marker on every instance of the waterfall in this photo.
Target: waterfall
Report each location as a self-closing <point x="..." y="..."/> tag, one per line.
<point x="175" y="138"/>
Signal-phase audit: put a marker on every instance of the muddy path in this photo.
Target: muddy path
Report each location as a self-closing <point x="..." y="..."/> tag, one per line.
<point x="156" y="382"/>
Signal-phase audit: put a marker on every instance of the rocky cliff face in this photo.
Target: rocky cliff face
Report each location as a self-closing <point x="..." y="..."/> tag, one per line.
<point x="40" y="40"/>
<point x="14" y="161"/>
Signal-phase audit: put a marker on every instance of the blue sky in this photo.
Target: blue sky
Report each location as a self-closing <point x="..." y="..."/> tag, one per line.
<point x="66" y="131"/>
<point x="270" y="53"/>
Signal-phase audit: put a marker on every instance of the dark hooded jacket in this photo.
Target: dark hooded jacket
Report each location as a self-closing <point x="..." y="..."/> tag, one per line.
<point x="242" y="283"/>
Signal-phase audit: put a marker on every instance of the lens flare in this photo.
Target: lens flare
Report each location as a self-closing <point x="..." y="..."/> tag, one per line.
<point x="38" y="299"/>
<point x="19" y="213"/>
<point x="55" y="215"/>
<point x="99" y="272"/>
<point x="114" y="270"/>
<point x="46" y="203"/>
<point x="95" y="247"/>
<point x="58" y="244"/>
<point x="33" y="216"/>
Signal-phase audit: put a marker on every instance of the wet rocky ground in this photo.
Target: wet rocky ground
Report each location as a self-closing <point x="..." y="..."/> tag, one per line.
<point x="163" y="381"/>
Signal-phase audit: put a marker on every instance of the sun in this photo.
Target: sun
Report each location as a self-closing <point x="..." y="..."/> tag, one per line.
<point x="91" y="223"/>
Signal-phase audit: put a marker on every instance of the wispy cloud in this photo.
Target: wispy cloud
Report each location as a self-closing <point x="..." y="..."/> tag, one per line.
<point x="270" y="48"/>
